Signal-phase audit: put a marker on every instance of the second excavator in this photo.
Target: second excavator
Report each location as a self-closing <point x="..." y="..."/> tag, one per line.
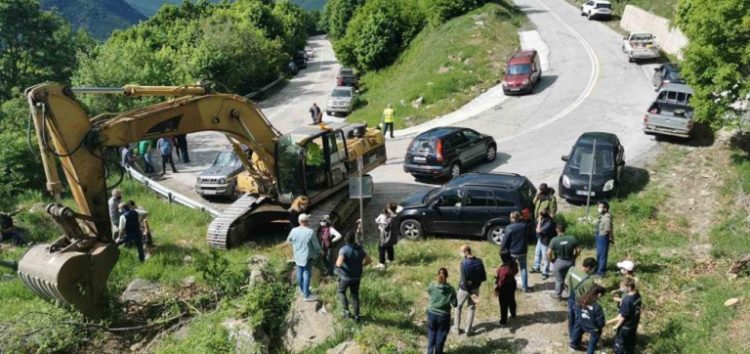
<point x="315" y="161"/>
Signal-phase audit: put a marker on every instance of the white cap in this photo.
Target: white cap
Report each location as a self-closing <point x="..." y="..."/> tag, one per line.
<point x="627" y="265"/>
<point x="303" y="217"/>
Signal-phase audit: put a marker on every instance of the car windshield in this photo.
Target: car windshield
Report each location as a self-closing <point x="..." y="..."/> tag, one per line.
<point x="346" y="72"/>
<point x="673" y="76"/>
<point x="519" y="69"/>
<point x="226" y="159"/>
<point x="347" y="79"/>
<point x="342" y="93"/>
<point x="422" y="147"/>
<point x="604" y="157"/>
<point x="642" y="37"/>
<point x="603" y="6"/>
<point x="432" y="194"/>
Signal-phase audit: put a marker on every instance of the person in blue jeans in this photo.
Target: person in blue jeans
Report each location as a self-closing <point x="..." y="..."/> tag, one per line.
<point x="514" y="243"/>
<point x="442" y="298"/>
<point x="604" y="238"/>
<point x="306" y="249"/>
<point x="578" y="281"/>
<point x="592" y="316"/>
<point x="545" y="231"/>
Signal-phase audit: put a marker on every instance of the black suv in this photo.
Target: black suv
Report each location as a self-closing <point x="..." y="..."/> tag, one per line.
<point x="608" y="165"/>
<point x="447" y="151"/>
<point x="473" y="204"/>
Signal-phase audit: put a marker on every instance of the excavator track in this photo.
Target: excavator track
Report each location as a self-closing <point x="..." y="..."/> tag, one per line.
<point x="226" y="230"/>
<point x="338" y="206"/>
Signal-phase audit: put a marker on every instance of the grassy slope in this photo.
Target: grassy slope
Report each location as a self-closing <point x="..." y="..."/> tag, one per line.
<point x="472" y="48"/>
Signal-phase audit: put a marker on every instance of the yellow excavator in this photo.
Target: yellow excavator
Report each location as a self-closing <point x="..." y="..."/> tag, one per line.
<point x="315" y="161"/>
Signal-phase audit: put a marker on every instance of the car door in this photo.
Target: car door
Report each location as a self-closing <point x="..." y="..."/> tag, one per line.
<point x="476" y="145"/>
<point x="458" y="145"/>
<point x="502" y="205"/>
<point x="447" y="212"/>
<point x="620" y="161"/>
<point x="477" y="209"/>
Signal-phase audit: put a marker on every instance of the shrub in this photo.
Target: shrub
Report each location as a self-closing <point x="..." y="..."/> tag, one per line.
<point x="442" y="10"/>
<point x="214" y="269"/>
<point x="266" y="305"/>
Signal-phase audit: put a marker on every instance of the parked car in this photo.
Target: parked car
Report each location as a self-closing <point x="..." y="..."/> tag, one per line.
<point x="596" y="8"/>
<point x="343" y="100"/>
<point x="670" y="113"/>
<point x="607" y="164"/>
<point x="640" y="46"/>
<point x="300" y="59"/>
<point x="220" y="180"/>
<point x="447" y="151"/>
<point x="522" y="72"/>
<point x="473" y="204"/>
<point x="668" y="73"/>
<point x="292" y="68"/>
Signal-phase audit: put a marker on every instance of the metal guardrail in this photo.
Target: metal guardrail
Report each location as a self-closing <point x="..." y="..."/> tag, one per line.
<point x="169" y="194"/>
<point x="264" y="88"/>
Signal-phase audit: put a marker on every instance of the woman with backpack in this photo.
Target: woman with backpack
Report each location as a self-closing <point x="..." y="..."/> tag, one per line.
<point x="505" y="287"/>
<point x="592" y="316"/>
<point x="387" y="238"/>
<point x="328" y="236"/>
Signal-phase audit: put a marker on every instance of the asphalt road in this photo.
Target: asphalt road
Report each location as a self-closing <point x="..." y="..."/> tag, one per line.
<point x="588" y="85"/>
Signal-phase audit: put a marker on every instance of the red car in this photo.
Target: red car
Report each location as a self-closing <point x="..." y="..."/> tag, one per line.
<point x="522" y="72"/>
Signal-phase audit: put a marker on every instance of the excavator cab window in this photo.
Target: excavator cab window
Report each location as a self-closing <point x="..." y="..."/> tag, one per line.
<point x="289" y="168"/>
<point x="316" y="175"/>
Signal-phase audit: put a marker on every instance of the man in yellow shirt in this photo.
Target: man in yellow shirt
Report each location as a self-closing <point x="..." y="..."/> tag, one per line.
<point x="388" y="120"/>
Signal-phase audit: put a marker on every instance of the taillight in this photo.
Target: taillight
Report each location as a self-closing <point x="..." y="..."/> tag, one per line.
<point x="645" y="118"/>
<point x="439" y="150"/>
<point x="690" y="125"/>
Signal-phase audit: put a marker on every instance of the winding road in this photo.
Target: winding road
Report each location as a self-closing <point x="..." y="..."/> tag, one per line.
<point x="587" y="85"/>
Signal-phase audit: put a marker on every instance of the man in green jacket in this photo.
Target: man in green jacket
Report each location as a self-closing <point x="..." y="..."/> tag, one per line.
<point x="579" y="281"/>
<point x="545" y="199"/>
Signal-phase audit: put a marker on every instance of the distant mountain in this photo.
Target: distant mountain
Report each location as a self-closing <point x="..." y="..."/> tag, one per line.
<point x="99" y="17"/>
<point x="149" y="7"/>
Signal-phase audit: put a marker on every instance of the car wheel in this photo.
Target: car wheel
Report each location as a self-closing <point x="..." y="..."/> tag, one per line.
<point x="491" y="153"/>
<point x="455" y="170"/>
<point x="495" y="234"/>
<point x="411" y="229"/>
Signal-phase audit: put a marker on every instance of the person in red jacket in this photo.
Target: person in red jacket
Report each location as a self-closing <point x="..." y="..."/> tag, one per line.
<point x="505" y="287"/>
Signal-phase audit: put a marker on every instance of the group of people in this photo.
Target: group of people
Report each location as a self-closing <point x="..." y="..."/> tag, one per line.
<point x="386" y="122"/>
<point x="130" y="225"/>
<point x="144" y="149"/>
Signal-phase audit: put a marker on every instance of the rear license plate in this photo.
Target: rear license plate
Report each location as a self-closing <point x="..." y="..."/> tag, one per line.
<point x="515" y="89"/>
<point x="420" y="159"/>
<point x="586" y="193"/>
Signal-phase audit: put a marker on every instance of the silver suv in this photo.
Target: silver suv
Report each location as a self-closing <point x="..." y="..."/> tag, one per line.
<point x="221" y="178"/>
<point x="343" y="100"/>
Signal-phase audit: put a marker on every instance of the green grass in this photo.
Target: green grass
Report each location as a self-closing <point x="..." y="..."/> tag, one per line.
<point x="448" y="66"/>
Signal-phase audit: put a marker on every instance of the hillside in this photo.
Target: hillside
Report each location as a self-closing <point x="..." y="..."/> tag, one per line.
<point x="99" y="17"/>
<point x="149" y="7"/>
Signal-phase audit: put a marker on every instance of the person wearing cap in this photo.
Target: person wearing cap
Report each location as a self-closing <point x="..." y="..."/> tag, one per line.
<point x="306" y="249"/>
<point x="579" y="281"/>
<point x="627" y="269"/>
<point x="328" y="236"/>
<point x="604" y="238"/>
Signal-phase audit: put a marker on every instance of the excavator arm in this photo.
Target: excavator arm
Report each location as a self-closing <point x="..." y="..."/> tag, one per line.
<point x="75" y="268"/>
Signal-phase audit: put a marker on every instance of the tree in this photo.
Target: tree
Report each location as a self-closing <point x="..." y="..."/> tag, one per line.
<point x="35" y="46"/>
<point x="378" y="32"/>
<point x="443" y="10"/>
<point x="338" y="13"/>
<point x="717" y="57"/>
<point x="293" y="24"/>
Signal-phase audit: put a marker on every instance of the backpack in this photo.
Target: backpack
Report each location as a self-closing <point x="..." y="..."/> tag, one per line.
<point x="474" y="273"/>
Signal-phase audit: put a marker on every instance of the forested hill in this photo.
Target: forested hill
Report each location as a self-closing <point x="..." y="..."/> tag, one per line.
<point x="149" y="7"/>
<point x="98" y="17"/>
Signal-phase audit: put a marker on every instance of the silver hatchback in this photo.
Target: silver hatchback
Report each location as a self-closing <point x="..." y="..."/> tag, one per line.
<point x="343" y="100"/>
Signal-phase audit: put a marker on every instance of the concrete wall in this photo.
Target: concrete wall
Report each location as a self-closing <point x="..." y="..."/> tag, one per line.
<point x="670" y="39"/>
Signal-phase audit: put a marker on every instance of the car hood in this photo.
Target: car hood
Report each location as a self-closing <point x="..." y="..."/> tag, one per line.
<point x="416" y="198"/>
<point x="218" y="172"/>
<point x="516" y="79"/>
<point x="577" y="179"/>
<point x="339" y="101"/>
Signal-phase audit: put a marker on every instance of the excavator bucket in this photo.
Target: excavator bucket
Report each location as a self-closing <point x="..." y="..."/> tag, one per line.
<point x="78" y="279"/>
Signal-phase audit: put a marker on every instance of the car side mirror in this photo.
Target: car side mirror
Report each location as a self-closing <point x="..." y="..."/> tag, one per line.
<point x="564" y="158"/>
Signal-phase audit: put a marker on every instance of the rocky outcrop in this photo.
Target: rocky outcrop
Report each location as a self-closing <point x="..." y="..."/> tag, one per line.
<point x="256" y="266"/>
<point x="247" y="340"/>
<point x="141" y="291"/>
<point x="308" y="324"/>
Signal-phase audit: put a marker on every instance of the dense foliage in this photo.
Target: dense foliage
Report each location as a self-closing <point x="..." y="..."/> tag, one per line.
<point x="241" y="46"/>
<point x="717" y="57"/>
<point x="370" y="35"/>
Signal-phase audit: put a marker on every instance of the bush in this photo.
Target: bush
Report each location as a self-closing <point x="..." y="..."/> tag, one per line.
<point x="337" y="14"/>
<point x="20" y="166"/>
<point x="214" y="269"/>
<point x="443" y="10"/>
<point x="266" y="305"/>
<point x="378" y="32"/>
